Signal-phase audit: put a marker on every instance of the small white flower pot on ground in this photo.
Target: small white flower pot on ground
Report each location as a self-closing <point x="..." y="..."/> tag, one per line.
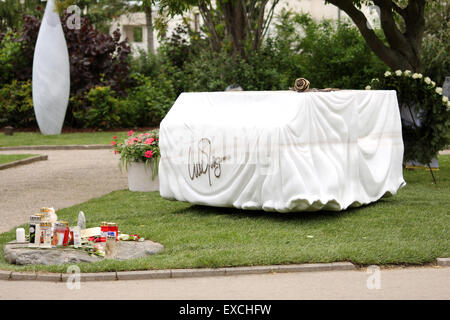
<point x="140" y="178"/>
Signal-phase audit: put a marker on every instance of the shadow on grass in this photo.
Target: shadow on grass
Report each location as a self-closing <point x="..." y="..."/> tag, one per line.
<point x="234" y="213"/>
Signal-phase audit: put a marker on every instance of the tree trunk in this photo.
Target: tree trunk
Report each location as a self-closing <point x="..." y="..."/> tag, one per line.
<point x="245" y="21"/>
<point x="149" y="22"/>
<point x="404" y="51"/>
<point x="235" y="22"/>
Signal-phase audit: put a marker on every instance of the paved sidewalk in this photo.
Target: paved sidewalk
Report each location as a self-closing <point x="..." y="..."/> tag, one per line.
<point x="67" y="178"/>
<point x="411" y="283"/>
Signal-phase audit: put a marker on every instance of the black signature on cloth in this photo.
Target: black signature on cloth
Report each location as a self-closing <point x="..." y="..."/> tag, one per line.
<point x="205" y="164"/>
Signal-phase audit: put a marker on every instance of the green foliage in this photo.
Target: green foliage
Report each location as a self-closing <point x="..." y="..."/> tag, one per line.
<point x="10" y="55"/>
<point x="335" y="56"/>
<point x="99" y="109"/>
<point x="99" y="12"/>
<point x="148" y="102"/>
<point x="146" y="64"/>
<point x="188" y="60"/>
<point x="216" y="71"/>
<point x="327" y="55"/>
<point x="436" y="42"/>
<point x="16" y="105"/>
<point x="12" y="11"/>
<point x="436" y="57"/>
<point x="425" y="102"/>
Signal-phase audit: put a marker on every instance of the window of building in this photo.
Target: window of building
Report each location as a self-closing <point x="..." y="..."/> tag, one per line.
<point x="137" y="34"/>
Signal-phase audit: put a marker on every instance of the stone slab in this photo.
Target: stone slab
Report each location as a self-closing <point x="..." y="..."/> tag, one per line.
<point x="207" y="272"/>
<point x="51" y="277"/>
<point x="132" y="250"/>
<point x="17" y="254"/>
<point x="443" y="262"/>
<point x="315" y="267"/>
<point x="250" y="270"/>
<point x="84" y="277"/>
<point x="5" y="275"/>
<point x="23" y="276"/>
<point x="182" y="273"/>
<point x="127" y="250"/>
<point x="144" y="275"/>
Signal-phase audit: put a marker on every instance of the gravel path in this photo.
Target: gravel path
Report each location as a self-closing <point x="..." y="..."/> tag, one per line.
<point x="67" y="178"/>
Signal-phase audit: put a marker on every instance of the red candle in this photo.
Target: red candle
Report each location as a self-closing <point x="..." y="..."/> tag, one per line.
<point x="113" y="230"/>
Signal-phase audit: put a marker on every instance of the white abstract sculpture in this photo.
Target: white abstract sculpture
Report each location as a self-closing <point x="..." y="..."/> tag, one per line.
<point x="51" y="74"/>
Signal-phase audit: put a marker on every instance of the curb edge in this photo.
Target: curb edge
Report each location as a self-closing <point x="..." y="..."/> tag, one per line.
<point x="177" y="273"/>
<point x="23" y="162"/>
<point x="56" y="147"/>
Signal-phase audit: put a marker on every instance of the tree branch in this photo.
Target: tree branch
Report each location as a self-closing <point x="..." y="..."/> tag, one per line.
<point x="399" y="10"/>
<point x="207" y="16"/>
<point x="393" y="35"/>
<point x="269" y="18"/>
<point x="386" y="54"/>
<point x="259" y="27"/>
<point x="246" y="17"/>
<point x="415" y="26"/>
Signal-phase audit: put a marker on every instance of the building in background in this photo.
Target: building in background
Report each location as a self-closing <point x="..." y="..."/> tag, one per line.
<point x="133" y="25"/>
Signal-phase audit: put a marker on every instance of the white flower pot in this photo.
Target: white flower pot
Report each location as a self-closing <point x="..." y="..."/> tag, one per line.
<point x="140" y="178"/>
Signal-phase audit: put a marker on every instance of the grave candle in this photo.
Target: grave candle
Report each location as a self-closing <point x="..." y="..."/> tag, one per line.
<point x="20" y="235"/>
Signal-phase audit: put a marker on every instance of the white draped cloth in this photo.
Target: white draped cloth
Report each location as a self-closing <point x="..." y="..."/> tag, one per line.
<point x="282" y="150"/>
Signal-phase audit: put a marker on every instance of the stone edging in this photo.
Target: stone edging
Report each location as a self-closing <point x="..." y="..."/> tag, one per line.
<point x="175" y="273"/>
<point x="443" y="262"/>
<point x="68" y="147"/>
<point x="23" y="162"/>
<point x="186" y="273"/>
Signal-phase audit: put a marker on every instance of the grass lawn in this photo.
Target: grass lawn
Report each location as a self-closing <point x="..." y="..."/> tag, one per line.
<point x="6" y="158"/>
<point x="410" y="228"/>
<point x="37" y="139"/>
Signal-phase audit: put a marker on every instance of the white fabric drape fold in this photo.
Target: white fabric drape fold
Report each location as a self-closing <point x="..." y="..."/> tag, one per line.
<point x="282" y="151"/>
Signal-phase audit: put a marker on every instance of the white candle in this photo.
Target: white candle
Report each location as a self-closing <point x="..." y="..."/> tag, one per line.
<point x="20" y="235"/>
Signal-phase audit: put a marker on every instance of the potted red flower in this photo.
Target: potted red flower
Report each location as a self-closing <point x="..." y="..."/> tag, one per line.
<point x="140" y="155"/>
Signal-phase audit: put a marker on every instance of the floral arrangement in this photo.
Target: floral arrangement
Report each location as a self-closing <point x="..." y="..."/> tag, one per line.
<point x="420" y="97"/>
<point x="139" y="147"/>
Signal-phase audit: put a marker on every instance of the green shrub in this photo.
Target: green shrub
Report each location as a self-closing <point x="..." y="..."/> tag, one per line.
<point x="436" y="42"/>
<point x="336" y="56"/>
<point x="148" y="103"/>
<point x="267" y="69"/>
<point x="16" y="105"/>
<point x="436" y="57"/>
<point x="146" y="64"/>
<point x="328" y="55"/>
<point x="10" y="54"/>
<point x="98" y="109"/>
<point x="420" y="97"/>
